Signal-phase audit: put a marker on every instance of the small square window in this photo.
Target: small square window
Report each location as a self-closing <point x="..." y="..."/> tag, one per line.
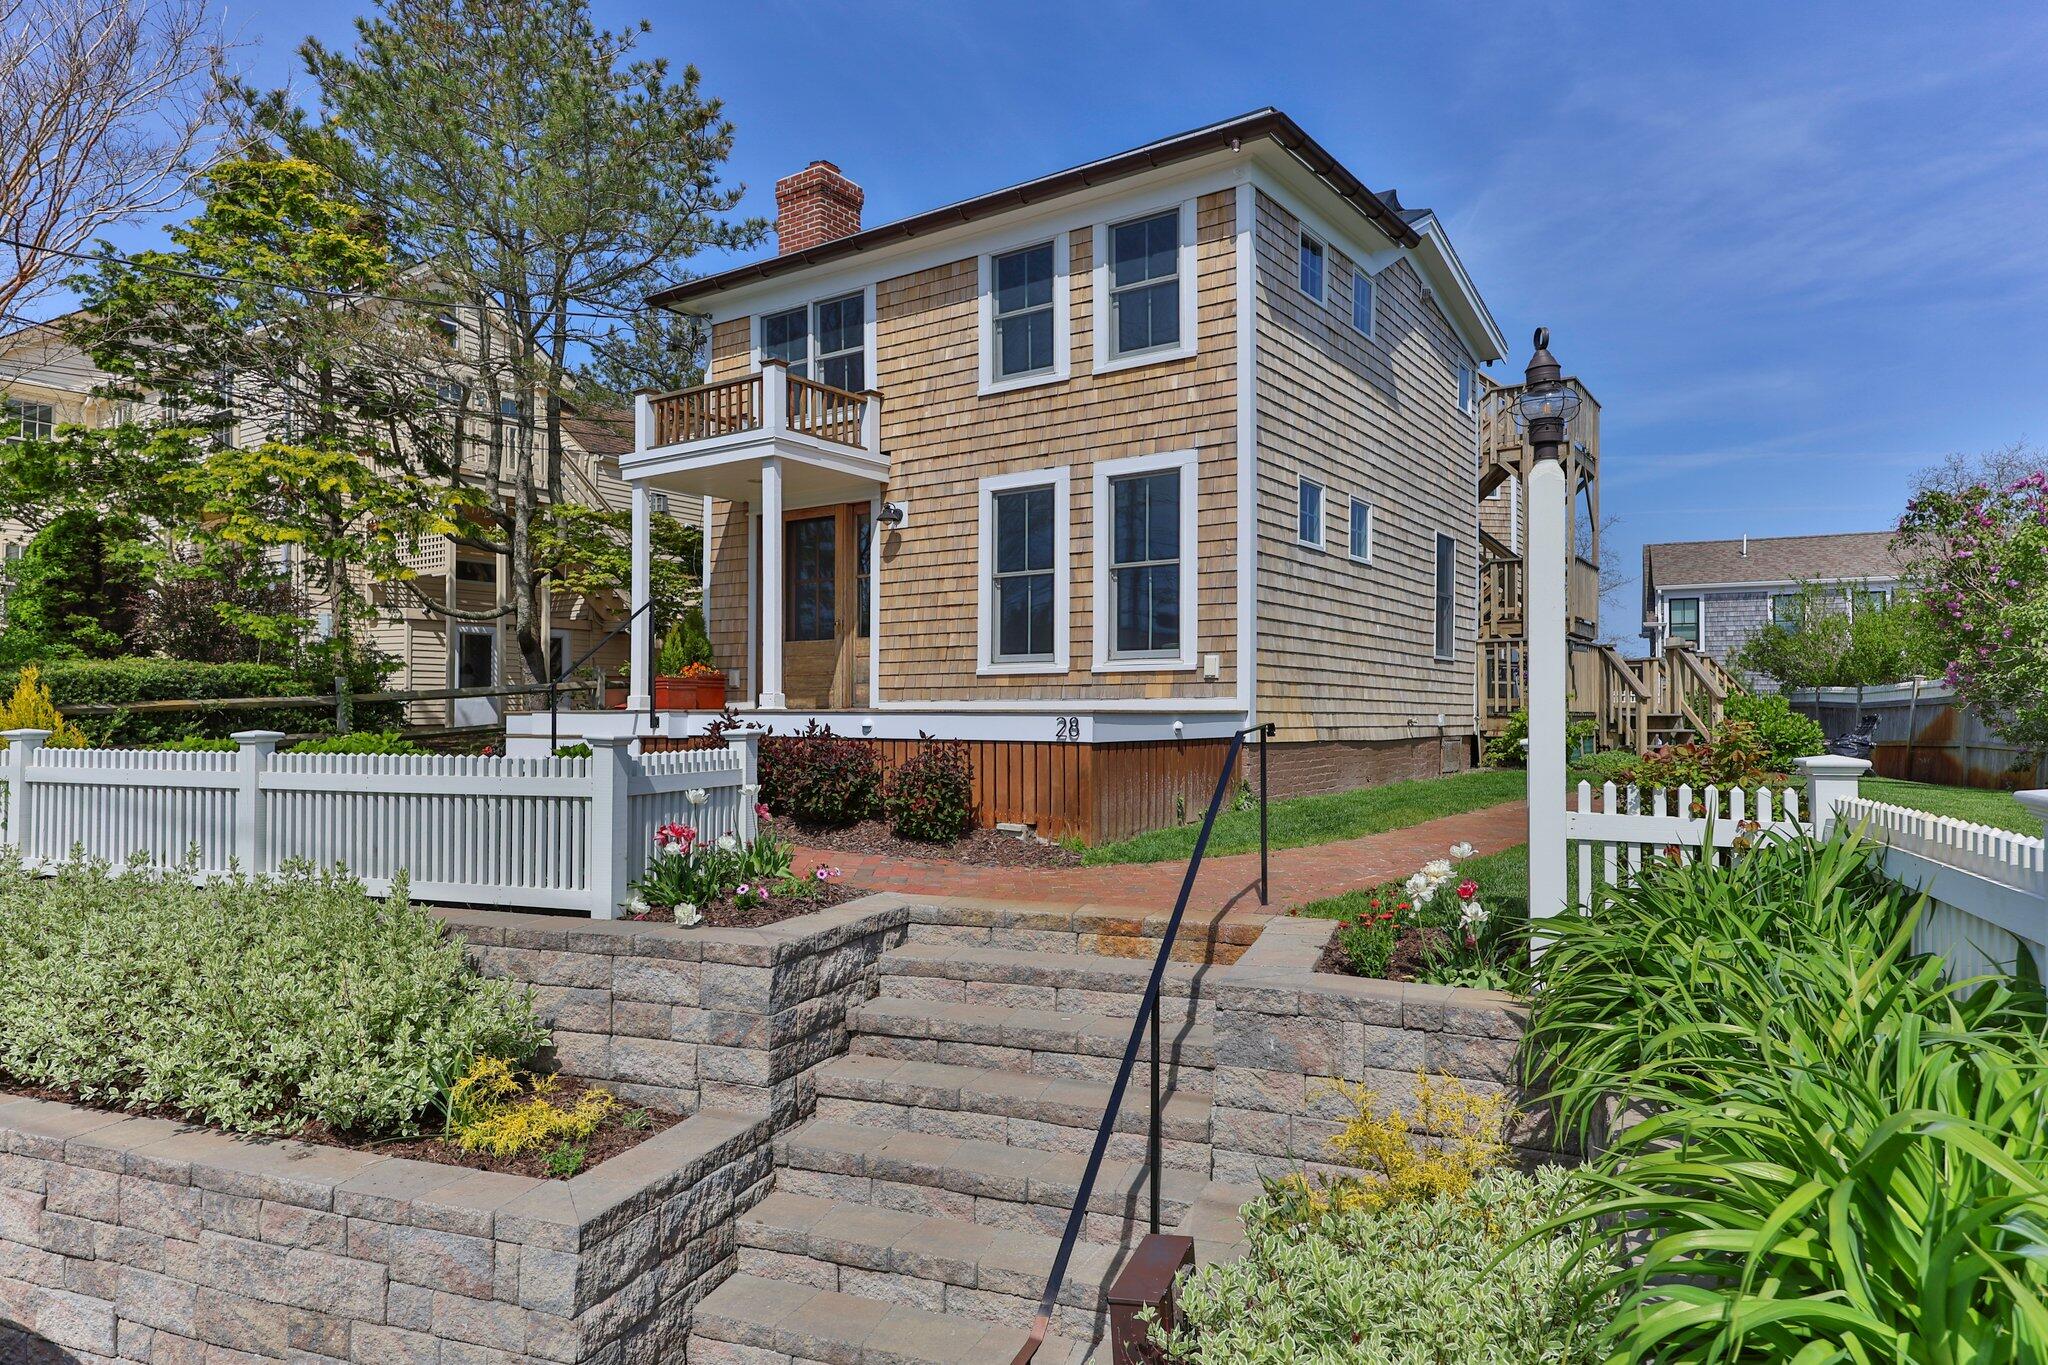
<point x="1311" y="277"/>
<point x="1361" y="530"/>
<point x="1682" y="615"/>
<point x="1308" y="527"/>
<point x="1361" y="301"/>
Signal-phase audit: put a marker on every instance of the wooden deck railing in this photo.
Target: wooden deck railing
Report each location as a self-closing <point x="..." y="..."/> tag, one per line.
<point x="1582" y="594"/>
<point x="736" y="405"/>
<point x="821" y="411"/>
<point x="1500" y="598"/>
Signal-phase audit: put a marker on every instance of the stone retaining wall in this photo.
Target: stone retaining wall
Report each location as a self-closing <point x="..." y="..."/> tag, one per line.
<point x="145" y="1240"/>
<point x="1285" y="1030"/>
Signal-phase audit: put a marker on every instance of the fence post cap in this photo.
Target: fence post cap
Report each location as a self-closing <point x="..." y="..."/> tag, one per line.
<point x="248" y="737"/>
<point x="2035" y="801"/>
<point x="607" y="741"/>
<point x="1832" y="765"/>
<point x="31" y="733"/>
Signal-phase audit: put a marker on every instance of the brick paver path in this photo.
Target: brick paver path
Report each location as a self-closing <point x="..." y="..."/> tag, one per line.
<point x="1299" y="875"/>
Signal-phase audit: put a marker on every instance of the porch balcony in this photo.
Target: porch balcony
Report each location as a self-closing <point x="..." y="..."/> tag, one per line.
<point x="711" y="439"/>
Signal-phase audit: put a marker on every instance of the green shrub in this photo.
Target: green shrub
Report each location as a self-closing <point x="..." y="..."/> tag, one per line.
<point x="816" y="777"/>
<point x="1734" y="757"/>
<point x="196" y="744"/>
<point x="259" y="1005"/>
<point x="1474" y="1277"/>
<point x="930" y="795"/>
<point x="1609" y="765"/>
<point x="360" y="742"/>
<point x="86" y="682"/>
<point x="1505" y="749"/>
<point x="1785" y="734"/>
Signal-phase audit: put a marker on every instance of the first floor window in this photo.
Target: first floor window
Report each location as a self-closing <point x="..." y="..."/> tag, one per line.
<point x="1021" y="307"/>
<point x="1683" y="618"/>
<point x="1311" y="267"/>
<point x="1870" y="599"/>
<point x="1144" y="565"/>
<point x="809" y="546"/>
<point x="1308" y="528"/>
<point x="1361" y="530"/>
<point x="1144" y="284"/>
<point x="1022" y="582"/>
<point x="842" y="341"/>
<point x="1446" y="595"/>
<point x="29" y="421"/>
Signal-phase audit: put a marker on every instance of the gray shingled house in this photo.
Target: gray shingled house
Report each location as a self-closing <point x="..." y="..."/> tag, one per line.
<point x="1715" y="594"/>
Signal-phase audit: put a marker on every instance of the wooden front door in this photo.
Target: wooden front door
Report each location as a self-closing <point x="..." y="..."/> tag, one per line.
<point x="824" y="646"/>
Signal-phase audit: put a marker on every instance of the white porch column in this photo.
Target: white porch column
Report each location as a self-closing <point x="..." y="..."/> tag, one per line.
<point x="771" y="698"/>
<point x="640" y="669"/>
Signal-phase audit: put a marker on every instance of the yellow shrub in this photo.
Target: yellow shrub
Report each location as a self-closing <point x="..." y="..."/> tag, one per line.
<point x="30" y="708"/>
<point x="1461" y="1136"/>
<point x="489" y="1111"/>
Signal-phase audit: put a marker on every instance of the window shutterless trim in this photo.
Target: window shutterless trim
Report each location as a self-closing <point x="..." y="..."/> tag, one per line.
<point x="1699" y="618"/>
<point x="1058" y="479"/>
<point x="1303" y="239"/>
<point x="1106" y="659"/>
<point x="813" y="358"/>
<point x="1443" y="614"/>
<point x="1062" y="315"/>
<point x="1105" y="361"/>
<point x="1358" y="506"/>
<point x="1361" y="280"/>
<point x="1302" y="483"/>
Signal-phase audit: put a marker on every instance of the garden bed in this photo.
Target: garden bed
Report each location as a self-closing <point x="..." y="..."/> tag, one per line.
<point x="978" y="848"/>
<point x="727" y="913"/>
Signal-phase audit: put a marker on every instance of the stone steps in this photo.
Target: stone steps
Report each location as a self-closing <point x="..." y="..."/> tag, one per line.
<point x="1066" y="982"/>
<point x="1043" y="1113"/>
<point x="1038" y="1042"/>
<point x="972" y="1180"/>
<point x="936" y="1264"/>
<point x="752" y="1320"/>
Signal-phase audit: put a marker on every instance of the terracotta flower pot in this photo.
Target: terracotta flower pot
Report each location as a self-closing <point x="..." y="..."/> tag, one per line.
<point x="674" y="692"/>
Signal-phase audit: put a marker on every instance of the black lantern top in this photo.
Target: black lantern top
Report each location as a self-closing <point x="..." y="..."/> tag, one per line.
<point x="1545" y="397"/>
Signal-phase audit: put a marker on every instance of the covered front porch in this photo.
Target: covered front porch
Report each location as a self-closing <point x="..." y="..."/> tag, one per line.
<point x="792" y="475"/>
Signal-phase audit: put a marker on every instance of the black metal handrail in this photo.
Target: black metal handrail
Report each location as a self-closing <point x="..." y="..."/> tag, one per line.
<point x="554" y="685"/>
<point x="1148" y="1014"/>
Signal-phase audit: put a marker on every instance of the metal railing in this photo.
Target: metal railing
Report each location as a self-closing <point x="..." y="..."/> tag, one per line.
<point x="1146" y="1018"/>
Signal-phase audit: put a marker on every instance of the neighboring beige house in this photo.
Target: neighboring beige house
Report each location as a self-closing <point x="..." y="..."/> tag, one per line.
<point x="1092" y="471"/>
<point x="46" y="381"/>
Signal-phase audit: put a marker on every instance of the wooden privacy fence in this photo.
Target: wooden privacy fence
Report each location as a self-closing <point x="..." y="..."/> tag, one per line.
<point x="1987" y="888"/>
<point x="556" y="833"/>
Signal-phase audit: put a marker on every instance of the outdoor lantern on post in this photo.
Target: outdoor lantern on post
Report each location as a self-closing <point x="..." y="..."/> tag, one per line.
<point x="1544" y="407"/>
<point x="1546" y="404"/>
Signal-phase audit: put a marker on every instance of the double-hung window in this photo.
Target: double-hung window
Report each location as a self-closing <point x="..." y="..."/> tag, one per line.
<point x="1310" y="276"/>
<point x="842" y="342"/>
<point x="1361" y="530"/>
<point x="1361" y="302"/>
<point x="1145" y="564"/>
<point x="1023" y="534"/>
<point x="1682" y="618"/>
<point x="26" y="421"/>
<point x="1145" y="284"/>
<point x="786" y="336"/>
<point x="1446" y="595"/>
<point x="1788" y="611"/>
<point x="1022" y="307"/>
<point x="1308" y="513"/>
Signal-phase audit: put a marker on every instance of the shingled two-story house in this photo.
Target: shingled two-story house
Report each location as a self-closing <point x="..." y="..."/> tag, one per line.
<point x="1092" y="471"/>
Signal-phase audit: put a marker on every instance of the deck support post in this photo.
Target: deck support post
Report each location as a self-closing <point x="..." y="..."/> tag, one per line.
<point x="771" y="698"/>
<point x="640" y="691"/>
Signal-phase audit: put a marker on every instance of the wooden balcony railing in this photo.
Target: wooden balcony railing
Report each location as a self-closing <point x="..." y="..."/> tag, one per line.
<point x="772" y="401"/>
<point x="1499" y="436"/>
<point x="1582" y="596"/>
<point x="1500" y="598"/>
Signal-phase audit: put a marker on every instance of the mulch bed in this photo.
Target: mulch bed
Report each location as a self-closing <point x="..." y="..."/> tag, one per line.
<point x="611" y="1137"/>
<point x="723" y="914"/>
<point x="1412" y="949"/>
<point x="980" y="848"/>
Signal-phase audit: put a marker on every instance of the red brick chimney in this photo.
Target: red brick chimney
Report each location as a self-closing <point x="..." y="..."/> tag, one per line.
<point x="815" y="205"/>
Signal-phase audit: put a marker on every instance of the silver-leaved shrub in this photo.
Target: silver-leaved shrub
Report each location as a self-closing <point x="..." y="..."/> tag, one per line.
<point x="259" y="1004"/>
<point x="1440" y="1281"/>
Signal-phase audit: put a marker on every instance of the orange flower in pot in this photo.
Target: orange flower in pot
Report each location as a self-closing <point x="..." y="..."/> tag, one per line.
<point x="684" y="678"/>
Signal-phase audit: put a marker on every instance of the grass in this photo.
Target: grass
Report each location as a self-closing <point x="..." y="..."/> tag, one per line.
<point x="1301" y="821"/>
<point x="1974" y="804"/>
<point x="1503" y="879"/>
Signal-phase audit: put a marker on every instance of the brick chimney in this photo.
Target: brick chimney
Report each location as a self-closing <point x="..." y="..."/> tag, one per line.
<point x="815" y="205"/>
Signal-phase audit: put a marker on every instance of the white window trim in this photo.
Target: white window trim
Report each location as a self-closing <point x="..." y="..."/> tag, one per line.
<point x="1059" y="477"/>
<point x="1360" y="275"/>
<point x="1469" y="382"/>
<point x="1190" y="553"/>
<point x="1062" y="315"/>
<point x="1322" y="513"/>
<point x="1301" y="236"/>
<point x="1349" y="537"/>
<point x="1105" y="363"/>
<point x="810" y="307"/>
<point x="1437" y="538"/>
<point x="1699" y="614"/>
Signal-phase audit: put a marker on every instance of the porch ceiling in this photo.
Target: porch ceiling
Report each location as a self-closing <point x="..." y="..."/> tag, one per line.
<point x="737" y="478"/>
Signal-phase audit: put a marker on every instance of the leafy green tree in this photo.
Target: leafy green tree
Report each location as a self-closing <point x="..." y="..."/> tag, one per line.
<point x="76" y="590"/>
<point x="1824" y="642"/>
<point x="657" y="350"/>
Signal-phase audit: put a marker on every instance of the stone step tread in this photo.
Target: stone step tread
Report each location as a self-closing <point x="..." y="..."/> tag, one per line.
<point x="978" y="1167"/>
<point x="987" y="1090"/>
<point x="944" y="1250"/>
<point x="1039" y="967"/>
<point x="1034" y="1030"/>
<point x="824" y="1325"/>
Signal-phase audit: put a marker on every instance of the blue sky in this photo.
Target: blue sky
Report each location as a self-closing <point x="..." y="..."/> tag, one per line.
<point x="1798" y="251"/>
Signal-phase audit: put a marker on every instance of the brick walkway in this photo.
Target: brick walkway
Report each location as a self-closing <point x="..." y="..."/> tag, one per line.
<point x="1299" y="875"/>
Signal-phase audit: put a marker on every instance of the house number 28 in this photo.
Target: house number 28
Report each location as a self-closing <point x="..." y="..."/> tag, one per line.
<point x="1067" y="727"/>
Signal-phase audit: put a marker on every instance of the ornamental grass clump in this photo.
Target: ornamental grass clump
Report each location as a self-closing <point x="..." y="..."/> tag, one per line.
<point x="492" y="1110"/>
<point x="260" y="1005"/>
<point x="1438" y="1147"/>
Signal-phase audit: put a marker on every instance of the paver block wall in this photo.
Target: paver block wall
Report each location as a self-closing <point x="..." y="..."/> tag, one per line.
<point x="1284" y="1031"/>
<point x="145" y="1240"/>
<point x="683" y="1019"/>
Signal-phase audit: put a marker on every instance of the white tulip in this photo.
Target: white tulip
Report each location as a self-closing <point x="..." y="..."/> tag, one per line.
<point x="687" y="916"/>
<point x="750" y="788"/>
<point x="1462" y="850"/>
<point x="728" y="842"/>
<point x="697" y="796"/>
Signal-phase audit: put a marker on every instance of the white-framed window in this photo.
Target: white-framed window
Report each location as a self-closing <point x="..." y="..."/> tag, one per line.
<point x="26" y="421"/>
<point x="1022" y="553"/>
<point x="1682" y="618"/>
<point x="1467" y="386"/>
<point x="1145" y="549"/>
<point x="1145" y="288"/>
<point x="1361" y="530"/>
<point x="1309" y="268"/>
<point x="827" y="340"/>
<point x="1361" y="302"/>
<point x="1446" y="596"/>
<point x="1023" y="315"/>
<point x="1308" y="513"/>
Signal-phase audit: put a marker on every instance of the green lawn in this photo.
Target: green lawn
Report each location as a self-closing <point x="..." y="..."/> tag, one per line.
<point x="1974" y="804"/>
<point x="1503" y="879"/>
<point x="1304" y="820"/>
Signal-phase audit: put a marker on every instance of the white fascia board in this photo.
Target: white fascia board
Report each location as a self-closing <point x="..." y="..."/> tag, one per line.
<point x="1691" y="589"/>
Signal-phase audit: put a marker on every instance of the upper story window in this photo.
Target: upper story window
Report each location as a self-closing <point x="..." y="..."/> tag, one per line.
<point x="1787" y="611"/>
<point x="1467" y="384"/>
<point x="1446" y="595"/>
<point x="1144" y="284"/>
<point x="1311" y="268"/>
<point x="476" y="570"/>
<point x="1361" y="301"/>
<point x="1022" y="302"/>
<point x="1361" y="530"/>
<point x="1869" y="599"/>
<point x="1308" y="516"/>
<point x="825" y="341"/>
<point x="1682" y="619"/>
<point x="786" y="336"/>
<point x="26" y="421"/>
<point x="1022" y="584"/>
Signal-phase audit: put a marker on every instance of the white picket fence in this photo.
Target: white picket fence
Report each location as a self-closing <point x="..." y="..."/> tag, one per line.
<point x="1987" y="888"/>
<point x="556" y="833"/>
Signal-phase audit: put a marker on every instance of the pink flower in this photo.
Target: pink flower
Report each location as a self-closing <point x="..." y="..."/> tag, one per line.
<point x="826" y="874"/>
<point x="760" y="810"/>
